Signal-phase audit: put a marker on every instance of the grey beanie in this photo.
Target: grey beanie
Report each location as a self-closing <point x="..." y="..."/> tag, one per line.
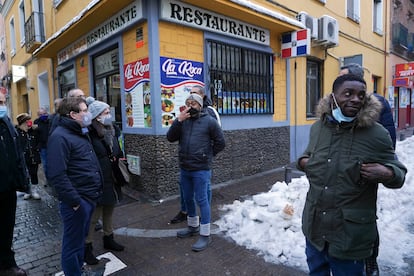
<point x="95" y="107"/>
<point x="195" y="97"/>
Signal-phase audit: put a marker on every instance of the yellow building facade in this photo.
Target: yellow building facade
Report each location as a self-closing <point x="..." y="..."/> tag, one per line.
<point x="142" y="57"/>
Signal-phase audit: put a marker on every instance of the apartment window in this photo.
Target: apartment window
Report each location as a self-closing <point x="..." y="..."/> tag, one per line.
<point x="56" y="3"/>
<point x="377" y="17"/>
<point x="399" y="35"/>
<point x="12" y="37"/>
<point x="411" y="42"/>
<point x="22" y="19"/>
<point x="241" y="79"/>
<point x="352" y="10"/>
<point x="313" y="86"/>
<point x="38" y="11"/>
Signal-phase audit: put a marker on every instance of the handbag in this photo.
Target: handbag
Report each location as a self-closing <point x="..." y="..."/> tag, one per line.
<point x="120" y="172"/>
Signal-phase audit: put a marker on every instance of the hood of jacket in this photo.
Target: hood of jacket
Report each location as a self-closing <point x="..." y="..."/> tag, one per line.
<point x="366" y="117"/>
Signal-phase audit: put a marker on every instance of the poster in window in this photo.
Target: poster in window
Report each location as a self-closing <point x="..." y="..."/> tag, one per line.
<point x="404" y="97"/>
<point x="178" y="76"/>
<point x="137" y="94"/>
<point x="390" y="96"/>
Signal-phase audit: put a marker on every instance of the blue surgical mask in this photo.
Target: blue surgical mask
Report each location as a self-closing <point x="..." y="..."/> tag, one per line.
<point x="87" y="119"/>
<point x="3" y="111"/>
<point x="338" y="115"/>
<point x="44" y="117"/>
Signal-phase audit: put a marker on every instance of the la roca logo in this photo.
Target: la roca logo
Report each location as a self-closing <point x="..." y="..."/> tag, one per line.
<point x="136" y="70"/>
<point x="185" y="68"/>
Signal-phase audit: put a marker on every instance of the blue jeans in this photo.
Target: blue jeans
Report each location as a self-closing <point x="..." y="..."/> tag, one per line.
<point x="321" y="264"/>
<point x="43" y="158"/>
<point x="75" y="230"/>
<point x="194" y="186"/>
<point x="182" y="201"/>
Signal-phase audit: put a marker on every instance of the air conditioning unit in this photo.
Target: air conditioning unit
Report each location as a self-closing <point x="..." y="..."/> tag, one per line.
<point x="310" y="23"/>
<point x="328" y="31"/>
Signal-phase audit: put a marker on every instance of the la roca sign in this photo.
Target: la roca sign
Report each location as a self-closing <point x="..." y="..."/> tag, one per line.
<point x="185" y="68"/>
<point x="137" y="69"/>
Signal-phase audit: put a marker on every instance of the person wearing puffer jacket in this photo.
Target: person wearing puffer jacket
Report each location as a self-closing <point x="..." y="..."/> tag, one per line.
<point x="75" y="174"/>
<point x="347" y="156"/>
<point x="200" y="138"/>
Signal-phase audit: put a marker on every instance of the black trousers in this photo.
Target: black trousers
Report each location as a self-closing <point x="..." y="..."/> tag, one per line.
<point x="8" y="201"/>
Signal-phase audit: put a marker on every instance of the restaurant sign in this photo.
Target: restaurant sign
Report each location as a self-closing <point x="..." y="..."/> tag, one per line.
<point x="185" y="14"/>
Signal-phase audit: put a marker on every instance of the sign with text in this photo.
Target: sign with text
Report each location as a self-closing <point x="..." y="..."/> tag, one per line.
<point x="137" y="93"/>
<point x="185" y="14"/>
<point x="177" y="78"/>
<point x="123" y="19"/>
<point x="404" y="70"/>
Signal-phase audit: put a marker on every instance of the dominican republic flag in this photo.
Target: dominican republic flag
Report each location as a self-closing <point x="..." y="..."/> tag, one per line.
<point x="296" y="44"/>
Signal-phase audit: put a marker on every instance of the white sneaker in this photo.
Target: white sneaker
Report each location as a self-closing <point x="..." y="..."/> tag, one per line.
<point x="27" y="196"/>
<point x="35" y="194"/>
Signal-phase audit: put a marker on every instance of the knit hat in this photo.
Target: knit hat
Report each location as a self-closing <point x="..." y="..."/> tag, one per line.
<point x="22" y="117"/>
<point x="195" y="97"/>
<point x="95" y="107"/>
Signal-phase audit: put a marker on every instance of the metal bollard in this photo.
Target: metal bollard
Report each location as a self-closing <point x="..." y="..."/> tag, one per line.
<point x="288" y="174"/>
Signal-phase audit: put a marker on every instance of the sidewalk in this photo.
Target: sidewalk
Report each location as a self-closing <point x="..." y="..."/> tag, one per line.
<point x="151" y="245"/>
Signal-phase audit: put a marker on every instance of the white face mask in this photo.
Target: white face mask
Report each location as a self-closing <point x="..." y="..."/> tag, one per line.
<point x="106" y="120"/>
<point x="86" y="119"/>
<point x="338" y="115"/>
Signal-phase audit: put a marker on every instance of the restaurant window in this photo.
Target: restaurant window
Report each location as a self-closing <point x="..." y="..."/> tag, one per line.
<point x="313" y="86"/>
<point x="107" y="82"/>
<point x="66" y="81"/>
<point x="241" y="79"/>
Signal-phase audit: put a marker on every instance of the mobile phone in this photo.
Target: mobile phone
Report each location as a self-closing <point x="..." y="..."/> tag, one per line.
<point x="182" y="108"/>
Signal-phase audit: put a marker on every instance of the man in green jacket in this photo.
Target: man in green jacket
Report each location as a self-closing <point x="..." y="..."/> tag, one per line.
<point x="348" y="154"/>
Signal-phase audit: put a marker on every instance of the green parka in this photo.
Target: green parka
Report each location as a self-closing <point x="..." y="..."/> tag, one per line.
<point x="340" y="207"/>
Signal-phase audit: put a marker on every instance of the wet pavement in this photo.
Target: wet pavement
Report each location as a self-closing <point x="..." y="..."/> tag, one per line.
<point x="141" y="224"/>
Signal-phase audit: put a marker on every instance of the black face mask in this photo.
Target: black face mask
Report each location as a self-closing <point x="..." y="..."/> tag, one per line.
<point x="193" y="112"/>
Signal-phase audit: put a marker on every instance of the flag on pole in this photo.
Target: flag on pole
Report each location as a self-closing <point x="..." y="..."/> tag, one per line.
<point x="296" y="43"/>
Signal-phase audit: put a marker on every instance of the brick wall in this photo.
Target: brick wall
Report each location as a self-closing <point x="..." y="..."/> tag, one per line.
<point x="247" y="152"/>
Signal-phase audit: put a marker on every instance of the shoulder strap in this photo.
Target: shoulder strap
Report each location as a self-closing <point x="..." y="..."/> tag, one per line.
<point x="215" y="114"/>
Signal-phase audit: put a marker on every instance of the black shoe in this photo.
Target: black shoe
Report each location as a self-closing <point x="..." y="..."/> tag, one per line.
<point x="190" y="231"/>
<point x="98" y="226"/>
<point x="13" y="271"/>
<point x="180" y="217"/>
<point x="111" y="244"/>
<point x="371" y="266"/>
<point x="89" y="257"/>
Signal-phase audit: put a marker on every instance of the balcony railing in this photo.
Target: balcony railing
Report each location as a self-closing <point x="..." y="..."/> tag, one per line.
<point x="34" y="31"/>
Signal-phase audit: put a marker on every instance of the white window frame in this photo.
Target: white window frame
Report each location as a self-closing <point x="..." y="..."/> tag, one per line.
<point x="12" y="37"/>
<point x="377" y="14"/>
<point x="22" y="18"/>
<point x="353" y="12"/>
<point x="38" y="9"/>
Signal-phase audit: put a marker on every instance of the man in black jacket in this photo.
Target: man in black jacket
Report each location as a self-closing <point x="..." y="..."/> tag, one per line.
<point x="200" y="138"/>
<point x="14" y="173"/>
<point x="41" y="124"/>
<point x="74" y="172"/>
